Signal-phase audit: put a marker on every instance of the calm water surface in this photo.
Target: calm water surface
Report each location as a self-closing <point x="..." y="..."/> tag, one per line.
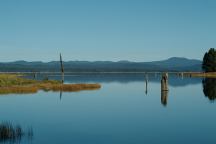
<point x="123" y="111"/>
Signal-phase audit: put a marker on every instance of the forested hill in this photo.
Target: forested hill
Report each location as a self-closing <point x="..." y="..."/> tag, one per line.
<point x="171" y="64"/>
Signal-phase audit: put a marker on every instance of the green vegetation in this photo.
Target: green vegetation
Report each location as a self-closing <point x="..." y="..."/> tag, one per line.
<point x="16" y="84"/>
<point x="12" y="80"/>
<point x="209" y="61"/>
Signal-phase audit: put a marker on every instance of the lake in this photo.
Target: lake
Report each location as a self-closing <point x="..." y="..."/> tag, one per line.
<point x="124" y="111"/>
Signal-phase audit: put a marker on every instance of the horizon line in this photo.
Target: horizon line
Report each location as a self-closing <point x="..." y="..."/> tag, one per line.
<point x="97" y="60"/>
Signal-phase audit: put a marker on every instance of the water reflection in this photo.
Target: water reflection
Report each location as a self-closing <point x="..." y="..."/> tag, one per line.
<point x="175" y="80"/>
<point x="209" y="88"/>
<point x="146" y="84"/>
<point x="164" y="98"/>
<point x="123" y="78"/>
<point x="60" y="94"/>
<point x="10" y="133"/>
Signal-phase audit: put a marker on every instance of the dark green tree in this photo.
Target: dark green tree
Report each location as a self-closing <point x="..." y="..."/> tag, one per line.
<point x="209" y="61"/>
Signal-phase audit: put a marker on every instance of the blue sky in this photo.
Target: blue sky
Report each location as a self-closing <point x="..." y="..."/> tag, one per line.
<point x="135" y="30"/>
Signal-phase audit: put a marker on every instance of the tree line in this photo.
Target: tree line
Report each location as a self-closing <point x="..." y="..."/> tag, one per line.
<point x="209" y="61"/>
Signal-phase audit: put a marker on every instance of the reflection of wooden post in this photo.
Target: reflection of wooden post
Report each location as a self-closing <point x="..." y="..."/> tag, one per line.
<point x="146" y="84"/>
<point x="164" y="82"/>
<point x="164" y="97"/>
<point x="182" y="75"/>
<point x="62" y="68"/>
<point x="155" y="74"/>
<point x="60" y="94"/>
<point x="164" y="88"/>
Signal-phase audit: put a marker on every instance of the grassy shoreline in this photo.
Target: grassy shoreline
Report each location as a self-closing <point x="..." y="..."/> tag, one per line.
<point x="207" y="75"/>
<point x="10" y="83"/>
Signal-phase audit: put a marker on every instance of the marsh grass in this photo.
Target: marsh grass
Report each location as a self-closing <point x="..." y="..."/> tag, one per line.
<point x="67" y="87"/>
<point x="11" y="80"/>
<point x="75" y="87"/>
<point x="14" y="84"/>
<point x="208" y="75"/>
<point x="11" y="133"/>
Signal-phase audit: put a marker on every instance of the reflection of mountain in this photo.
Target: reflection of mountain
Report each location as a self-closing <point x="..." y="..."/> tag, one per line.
<point x="125" y="78"/>
<point x="209" y="88"/>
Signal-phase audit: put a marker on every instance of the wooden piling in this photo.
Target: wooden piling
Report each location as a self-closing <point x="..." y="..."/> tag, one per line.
<point x="164" y="89"/>
<point x="164" y="82"/>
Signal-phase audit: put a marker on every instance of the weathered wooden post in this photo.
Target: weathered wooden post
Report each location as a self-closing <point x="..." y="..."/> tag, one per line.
<point x="164" y="88"/>
<point x="62" y="68"/>
<point x="164" y="82"/>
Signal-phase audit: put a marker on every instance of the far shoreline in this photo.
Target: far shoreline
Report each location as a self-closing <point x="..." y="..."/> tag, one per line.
<point x="185" y="73"/>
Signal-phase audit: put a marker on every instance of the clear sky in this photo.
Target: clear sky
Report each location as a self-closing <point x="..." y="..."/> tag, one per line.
<point x="135" y="30"/>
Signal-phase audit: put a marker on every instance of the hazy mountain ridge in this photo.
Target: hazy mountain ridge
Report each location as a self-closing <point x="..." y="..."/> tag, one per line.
<point x="171" y="64"/>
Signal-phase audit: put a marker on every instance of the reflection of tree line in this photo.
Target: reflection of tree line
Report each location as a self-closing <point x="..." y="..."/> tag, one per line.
<point x="13" y="134"/>
<point x="209" y="88"/>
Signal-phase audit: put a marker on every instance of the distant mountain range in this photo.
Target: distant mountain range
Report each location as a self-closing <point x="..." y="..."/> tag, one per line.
<point x="171" y="64"/>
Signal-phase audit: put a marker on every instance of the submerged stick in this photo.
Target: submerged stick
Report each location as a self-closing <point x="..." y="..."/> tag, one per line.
<point x="62" y="68"/>
<point x="146" y="84"/>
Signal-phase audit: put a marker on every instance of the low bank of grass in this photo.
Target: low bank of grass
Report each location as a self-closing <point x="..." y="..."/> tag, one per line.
<point x="68" y="87"/>
<point x="15" y="84"/>
<point x="207" y="75"/>
<point x="14" y="80"/>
